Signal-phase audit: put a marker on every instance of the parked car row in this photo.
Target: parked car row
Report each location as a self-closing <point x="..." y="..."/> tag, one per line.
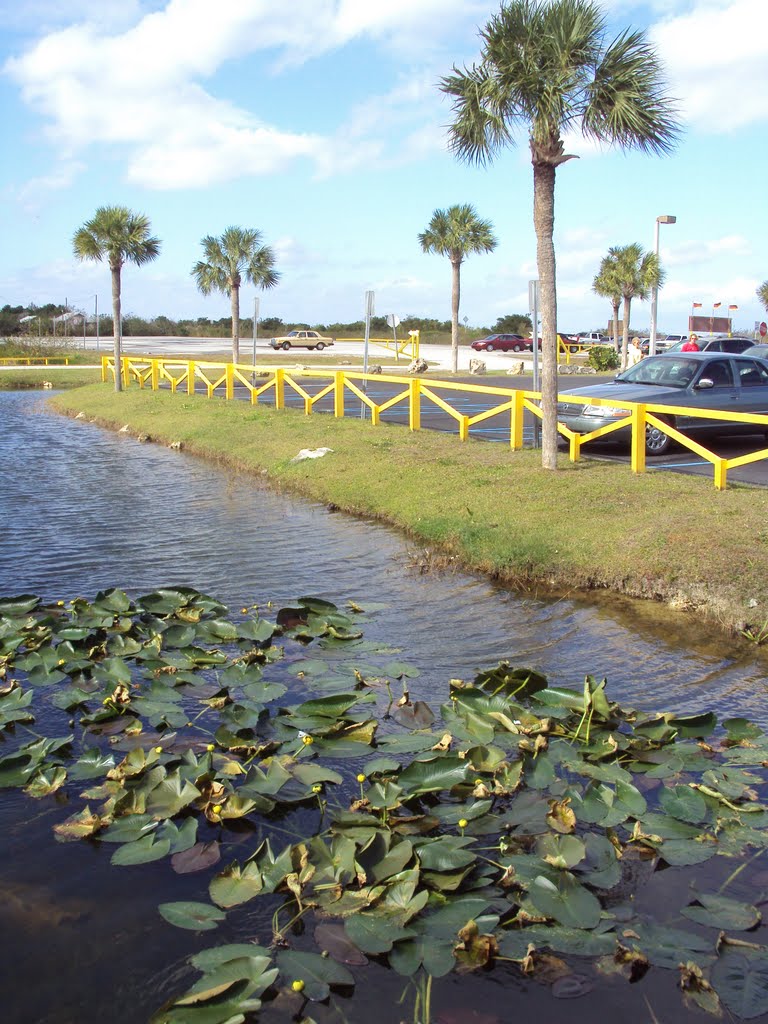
<point x="714" y="380"/>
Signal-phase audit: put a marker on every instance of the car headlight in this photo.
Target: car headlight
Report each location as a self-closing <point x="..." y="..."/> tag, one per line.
<point x="604" y="411"/>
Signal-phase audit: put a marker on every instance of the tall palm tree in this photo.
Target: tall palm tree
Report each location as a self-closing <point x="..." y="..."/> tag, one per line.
<point x="637" y="273"/>
<point x="455" y="233"/>
<point x="236" y="255"/>
<point x="120" y="236"/>
<point x="762" y="294"/>
<point x="548" y="67"/>
<point x="606" y="284"/>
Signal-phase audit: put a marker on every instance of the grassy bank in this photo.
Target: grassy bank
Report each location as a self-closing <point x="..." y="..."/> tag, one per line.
<point x="591" y="526"/>
<point x="38" y="376"/>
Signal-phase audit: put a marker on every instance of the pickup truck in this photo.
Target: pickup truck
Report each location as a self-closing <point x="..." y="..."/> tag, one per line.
<point x="301" y="339"/>
<point x="592" y="338"/>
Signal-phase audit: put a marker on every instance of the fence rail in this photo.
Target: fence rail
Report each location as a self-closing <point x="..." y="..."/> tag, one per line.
<point x="34" y="361"/>
<point x="221" y="379"/>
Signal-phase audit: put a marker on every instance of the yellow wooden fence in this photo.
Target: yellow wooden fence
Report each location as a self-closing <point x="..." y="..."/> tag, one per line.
<point x="221" y="379"/>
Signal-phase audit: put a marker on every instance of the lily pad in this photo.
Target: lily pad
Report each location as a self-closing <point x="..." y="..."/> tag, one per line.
<point x="318" y="973"/>
<point x="197" y="917"/>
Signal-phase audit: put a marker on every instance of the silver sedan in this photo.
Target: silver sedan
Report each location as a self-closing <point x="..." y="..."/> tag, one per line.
<point x="700" y="380"/>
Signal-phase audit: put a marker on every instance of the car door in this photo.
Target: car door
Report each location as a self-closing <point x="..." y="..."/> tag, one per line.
<point x="753" y="387"/>
<point x="723" y="396"/>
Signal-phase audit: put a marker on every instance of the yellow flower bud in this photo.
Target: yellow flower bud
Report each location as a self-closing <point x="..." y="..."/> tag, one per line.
<point x="463" y="822"/>
<point x="158" y="750"/>
<point x="210" y="747"/>
<point x="306" y="740"/>
<point x="298" y="985"/>
<point x="361" y="777"/>
<point x="216" y="808"/>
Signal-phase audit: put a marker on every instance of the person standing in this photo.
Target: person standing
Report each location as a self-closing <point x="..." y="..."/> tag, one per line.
<point x="692" y="345"/>
<point x="634" y="353"/>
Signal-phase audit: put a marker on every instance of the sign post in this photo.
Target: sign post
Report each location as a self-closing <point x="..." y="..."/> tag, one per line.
<point x="369" y="312"/>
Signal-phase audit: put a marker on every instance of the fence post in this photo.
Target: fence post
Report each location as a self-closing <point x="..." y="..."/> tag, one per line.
<point x="279" y="388"/>
<point x="104" y="369"/>
<point x="338" y="394"/>
<point x="637" y="460"/>
<point x="155" y="374"/>
<point x="721" y="469"/>
<point x="414" y="404"/>
<point x="229" y="371"/>
<point x="190" y="376"/>
<point x="126" y="372"/>
<point x="516" y="421"/>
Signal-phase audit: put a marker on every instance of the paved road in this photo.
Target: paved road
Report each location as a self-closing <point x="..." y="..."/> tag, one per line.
<point x="495" y="429"/>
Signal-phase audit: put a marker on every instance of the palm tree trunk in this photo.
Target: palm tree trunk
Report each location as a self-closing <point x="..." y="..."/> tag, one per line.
<point x="455" y="299"/>
<point x="544" y="223"/>
<point x="117" y="327"/>
<point x="616" y="325"/>
<point x="235" y="303"/>
<point x="625" y="333"/>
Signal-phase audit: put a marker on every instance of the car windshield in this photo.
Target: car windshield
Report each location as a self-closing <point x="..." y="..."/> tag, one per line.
<point x="661" y="370"/>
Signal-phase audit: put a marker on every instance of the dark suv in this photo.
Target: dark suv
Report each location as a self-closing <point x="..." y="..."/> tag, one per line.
<point x="502" y="343"/>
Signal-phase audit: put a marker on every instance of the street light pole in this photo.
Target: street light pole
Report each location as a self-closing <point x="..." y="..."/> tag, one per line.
<point x="664" y="219"/>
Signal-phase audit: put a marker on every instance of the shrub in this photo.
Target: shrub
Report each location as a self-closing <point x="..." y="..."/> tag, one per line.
<point x="603" y="357"/>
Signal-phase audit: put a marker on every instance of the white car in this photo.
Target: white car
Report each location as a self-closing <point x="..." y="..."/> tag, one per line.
<point x="301" y="339"/>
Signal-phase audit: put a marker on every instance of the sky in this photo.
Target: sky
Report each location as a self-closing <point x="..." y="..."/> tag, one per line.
<point x="321" y="124"/>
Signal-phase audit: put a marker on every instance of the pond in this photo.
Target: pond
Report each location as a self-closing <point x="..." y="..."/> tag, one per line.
<point x="84" y="509"/>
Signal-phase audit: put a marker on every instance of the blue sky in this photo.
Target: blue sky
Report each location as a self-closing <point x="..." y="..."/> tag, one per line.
<point x="320" y="123"/>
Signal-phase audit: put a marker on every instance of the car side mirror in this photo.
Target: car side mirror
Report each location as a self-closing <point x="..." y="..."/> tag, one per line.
<point x="705" y="384"/>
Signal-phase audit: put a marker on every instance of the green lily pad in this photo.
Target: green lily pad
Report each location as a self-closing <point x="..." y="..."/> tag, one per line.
<point x="722" y="913"/>
<point x="566" y="901"/>
<point x="142" y="851"/>
<point x="318" y="973"/>
<point x="197" y="917"/>
<point x="740" y="977"/>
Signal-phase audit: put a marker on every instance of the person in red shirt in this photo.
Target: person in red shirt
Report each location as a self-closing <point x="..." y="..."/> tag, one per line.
<point x="692" y="345"/>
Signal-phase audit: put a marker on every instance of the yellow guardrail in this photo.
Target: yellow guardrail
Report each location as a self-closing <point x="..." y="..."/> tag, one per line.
<point x="34" y="361"/>
<point x="221" y="378"/>
<point x="407" y="346"/>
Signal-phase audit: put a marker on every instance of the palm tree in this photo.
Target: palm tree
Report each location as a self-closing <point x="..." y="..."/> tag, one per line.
<point x="120" y="236"/>
<point x="236" y="255"/>
<point x="548" y="67"/>
<point x="455" y="233"/>
<point x="637" y="274"/>
<point x="606" y="285"/>
<point x="762" y="294"/>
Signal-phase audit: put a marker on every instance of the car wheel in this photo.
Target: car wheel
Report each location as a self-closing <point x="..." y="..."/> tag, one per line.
<point x="573" y="349"/>
<point x="489" y="348"/>
<point x="319" y="346"/>
<point x="285" y="346"/>
<point x="516" y="348"/>
<point x="656" y="441"/>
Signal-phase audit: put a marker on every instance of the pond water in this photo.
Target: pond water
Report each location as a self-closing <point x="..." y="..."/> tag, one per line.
<point x="82" y="509"/>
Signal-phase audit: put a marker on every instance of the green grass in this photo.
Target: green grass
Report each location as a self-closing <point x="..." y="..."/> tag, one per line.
<point x="590" y="526"/>
<point x="37" y="376"/>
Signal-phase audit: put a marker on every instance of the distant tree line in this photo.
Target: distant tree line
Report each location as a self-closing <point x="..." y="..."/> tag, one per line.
<point x="202" y="327"/>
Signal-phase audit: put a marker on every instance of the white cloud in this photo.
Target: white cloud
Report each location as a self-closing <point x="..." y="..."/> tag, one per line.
<point x="140" y="87"/>
<point x="716" y="55"/>
<point x="34" y="192"/>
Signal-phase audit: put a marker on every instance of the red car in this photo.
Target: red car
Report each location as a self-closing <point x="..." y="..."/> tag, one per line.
<point x="502" y="343"/>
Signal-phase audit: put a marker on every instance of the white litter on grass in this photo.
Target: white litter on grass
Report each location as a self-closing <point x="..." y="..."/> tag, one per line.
<point x="311" y="453"/>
